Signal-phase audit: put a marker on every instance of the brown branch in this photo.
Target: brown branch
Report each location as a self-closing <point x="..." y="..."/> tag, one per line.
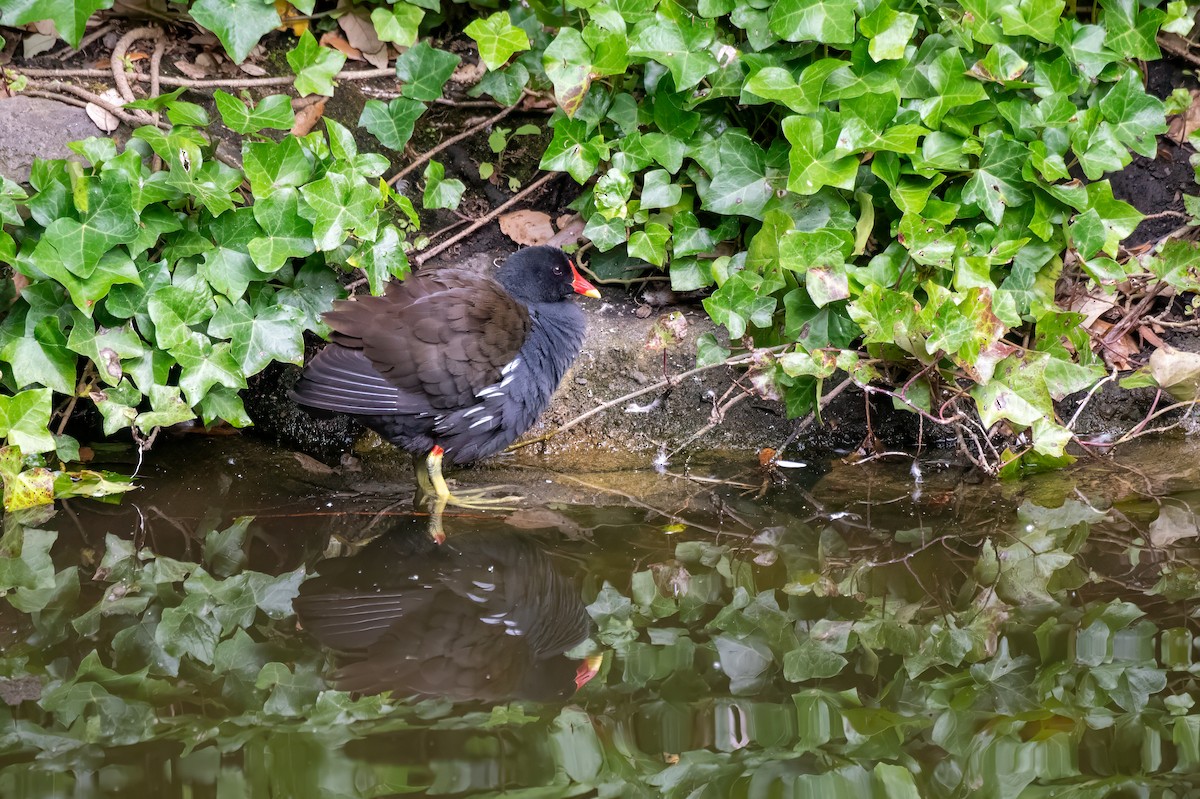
<point x="516" y="198"/>
<point x="217" y="83"/>
<point x="117" y="60"/>
<point x="450" y="142"/>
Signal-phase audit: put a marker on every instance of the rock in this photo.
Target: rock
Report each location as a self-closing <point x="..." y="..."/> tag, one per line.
<point x="31" y="127"/>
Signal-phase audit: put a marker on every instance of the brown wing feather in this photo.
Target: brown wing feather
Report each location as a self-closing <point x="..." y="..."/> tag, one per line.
<point x="444" y="334"/>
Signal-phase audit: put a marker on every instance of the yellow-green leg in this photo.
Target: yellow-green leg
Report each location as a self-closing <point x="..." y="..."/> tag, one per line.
<point x="432" y="489"/>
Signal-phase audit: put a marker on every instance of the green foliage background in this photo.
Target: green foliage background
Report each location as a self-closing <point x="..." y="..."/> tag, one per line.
<point x="889" y="187"/>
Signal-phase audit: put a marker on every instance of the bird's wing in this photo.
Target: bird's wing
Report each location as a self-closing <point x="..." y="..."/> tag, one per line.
<point x="443" y="336"/>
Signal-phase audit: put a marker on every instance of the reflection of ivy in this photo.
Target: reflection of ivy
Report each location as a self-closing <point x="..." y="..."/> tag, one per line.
<point x="790" y="659"/>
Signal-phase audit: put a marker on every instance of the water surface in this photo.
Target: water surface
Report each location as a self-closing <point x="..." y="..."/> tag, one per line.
<point x="247" y="626"/>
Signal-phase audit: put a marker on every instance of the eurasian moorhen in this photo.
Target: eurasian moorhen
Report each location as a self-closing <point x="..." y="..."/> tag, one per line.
<point x="486" y="617"/>
<point x="451" y="363"/>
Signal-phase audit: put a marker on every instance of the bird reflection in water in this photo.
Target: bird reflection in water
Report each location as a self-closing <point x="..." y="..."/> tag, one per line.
<point x="483" y="616"/>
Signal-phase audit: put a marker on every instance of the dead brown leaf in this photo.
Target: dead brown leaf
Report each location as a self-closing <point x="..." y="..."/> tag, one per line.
<point x="1178" y="372"/>
<point x="1117" y="354"/>
<point x="102" y="118"/>
<point x="527" y="228"/>
<point x="253" y="70"/>
<point x="543" y="519"/>
<point x="191" y="70"/>
<point x="360" y="31"/>
<point x="308" y="116"/>
<point x="310" y="464"/>
<point x="331" y="39"/>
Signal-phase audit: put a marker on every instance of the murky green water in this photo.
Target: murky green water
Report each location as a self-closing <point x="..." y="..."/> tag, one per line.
<point x="855" y="632"/>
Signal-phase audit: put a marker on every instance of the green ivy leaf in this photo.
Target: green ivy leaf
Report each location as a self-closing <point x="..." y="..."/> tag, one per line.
<point x="40" y="357"/>
<point x="239" y="24"/>
<point x="568" y="64"/>
<point x="826" y="21"/>
<point x="69" y="16"/>
<point x="439" y="192"/>
<point x="658" y="191"/>
<point x="315" y="66"/>
<point x="399" y="24"/>
<point x="392" y="123"/>
<point x="497" y="38"/>
<point x="814" y="163"/>
<point x="260" y="334"/>
<point x="204" y="365"/>
<point x="24" y="418"/>
<point x="273" y="111"/>
<point x="286" y="233"/>
<point x="339" y="204"/>
<point x="680" y="47"/>
<point x="571" y="151"/>
<point x="425" y="71"/>
<point x="382" y="259"/>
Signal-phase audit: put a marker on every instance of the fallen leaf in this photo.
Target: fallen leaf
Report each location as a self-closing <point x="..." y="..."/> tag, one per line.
<point x="361" y="33"/>
<point x="311" y="464"/>
<point x="526" y="227"/>
<point x="37" y="43"/>
<point x="543" y="519"/>
<point x="344" y="47"/>
<point x="564" y="220"/>
<point x="1177" y="372"/>
<point x="191" y="70"/>
<point x="254" y="70"/>
<point x="1173" y="524"/>
<point x="308" y="116"/>
<point x="104" y="119"/>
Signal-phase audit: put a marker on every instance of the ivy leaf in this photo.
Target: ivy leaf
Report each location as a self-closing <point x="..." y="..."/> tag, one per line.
<point x="392" y="123"/>
<point x="568" y="64"/>
<point x="951" y="87"/>
<point x="681" y="48"/>
<point x="286" y="233"/>
<point x="69" y="16"/>
<point x="826" y="21"/>
<point x="1131" y="30"/>
<point x="399" y="24"/>
<point x="239" y="24"/>
<point x="337" y="205"/>
<point x="1137" y="117"/>
<point x="229" y="267"/>
<point x="439" y="192"/>
<point x="497" y="38"/>
<point x="105" y="347"/>
<point x="24" y="418"/>
<point x="41" y="358"/>
<point x="571" y="151"/>
<point x="204" y="365"/>
<point x="997" y="183"/>
<point x="167" y="408"/>
<point x="658" y="191"/>
<point x="273" y="111"/>
<point x="382" y="259"/>
<point x="814" y="164"/>
<point x="739" y="178"/>
<point x="650" y="243"/>
<point x="259" y="335"/>
<point x="425" y="71"/>
<point x="315" y="66"/>
<point x="275" y="165"/>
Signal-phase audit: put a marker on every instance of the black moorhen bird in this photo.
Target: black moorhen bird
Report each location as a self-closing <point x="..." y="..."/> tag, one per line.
<point x="486" y="617"/>
<point x="451" y="364"/>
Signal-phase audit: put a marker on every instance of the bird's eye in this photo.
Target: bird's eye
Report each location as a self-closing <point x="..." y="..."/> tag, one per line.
<point x="558" y="270"/>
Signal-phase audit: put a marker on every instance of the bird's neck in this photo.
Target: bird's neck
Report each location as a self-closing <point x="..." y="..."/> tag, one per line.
<point x="555" y="338"/>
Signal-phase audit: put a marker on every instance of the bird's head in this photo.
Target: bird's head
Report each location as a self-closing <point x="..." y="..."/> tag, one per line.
<point x="543" y="274"/>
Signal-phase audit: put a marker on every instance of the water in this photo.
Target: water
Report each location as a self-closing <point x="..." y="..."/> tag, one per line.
<point x="873" y="630"/>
